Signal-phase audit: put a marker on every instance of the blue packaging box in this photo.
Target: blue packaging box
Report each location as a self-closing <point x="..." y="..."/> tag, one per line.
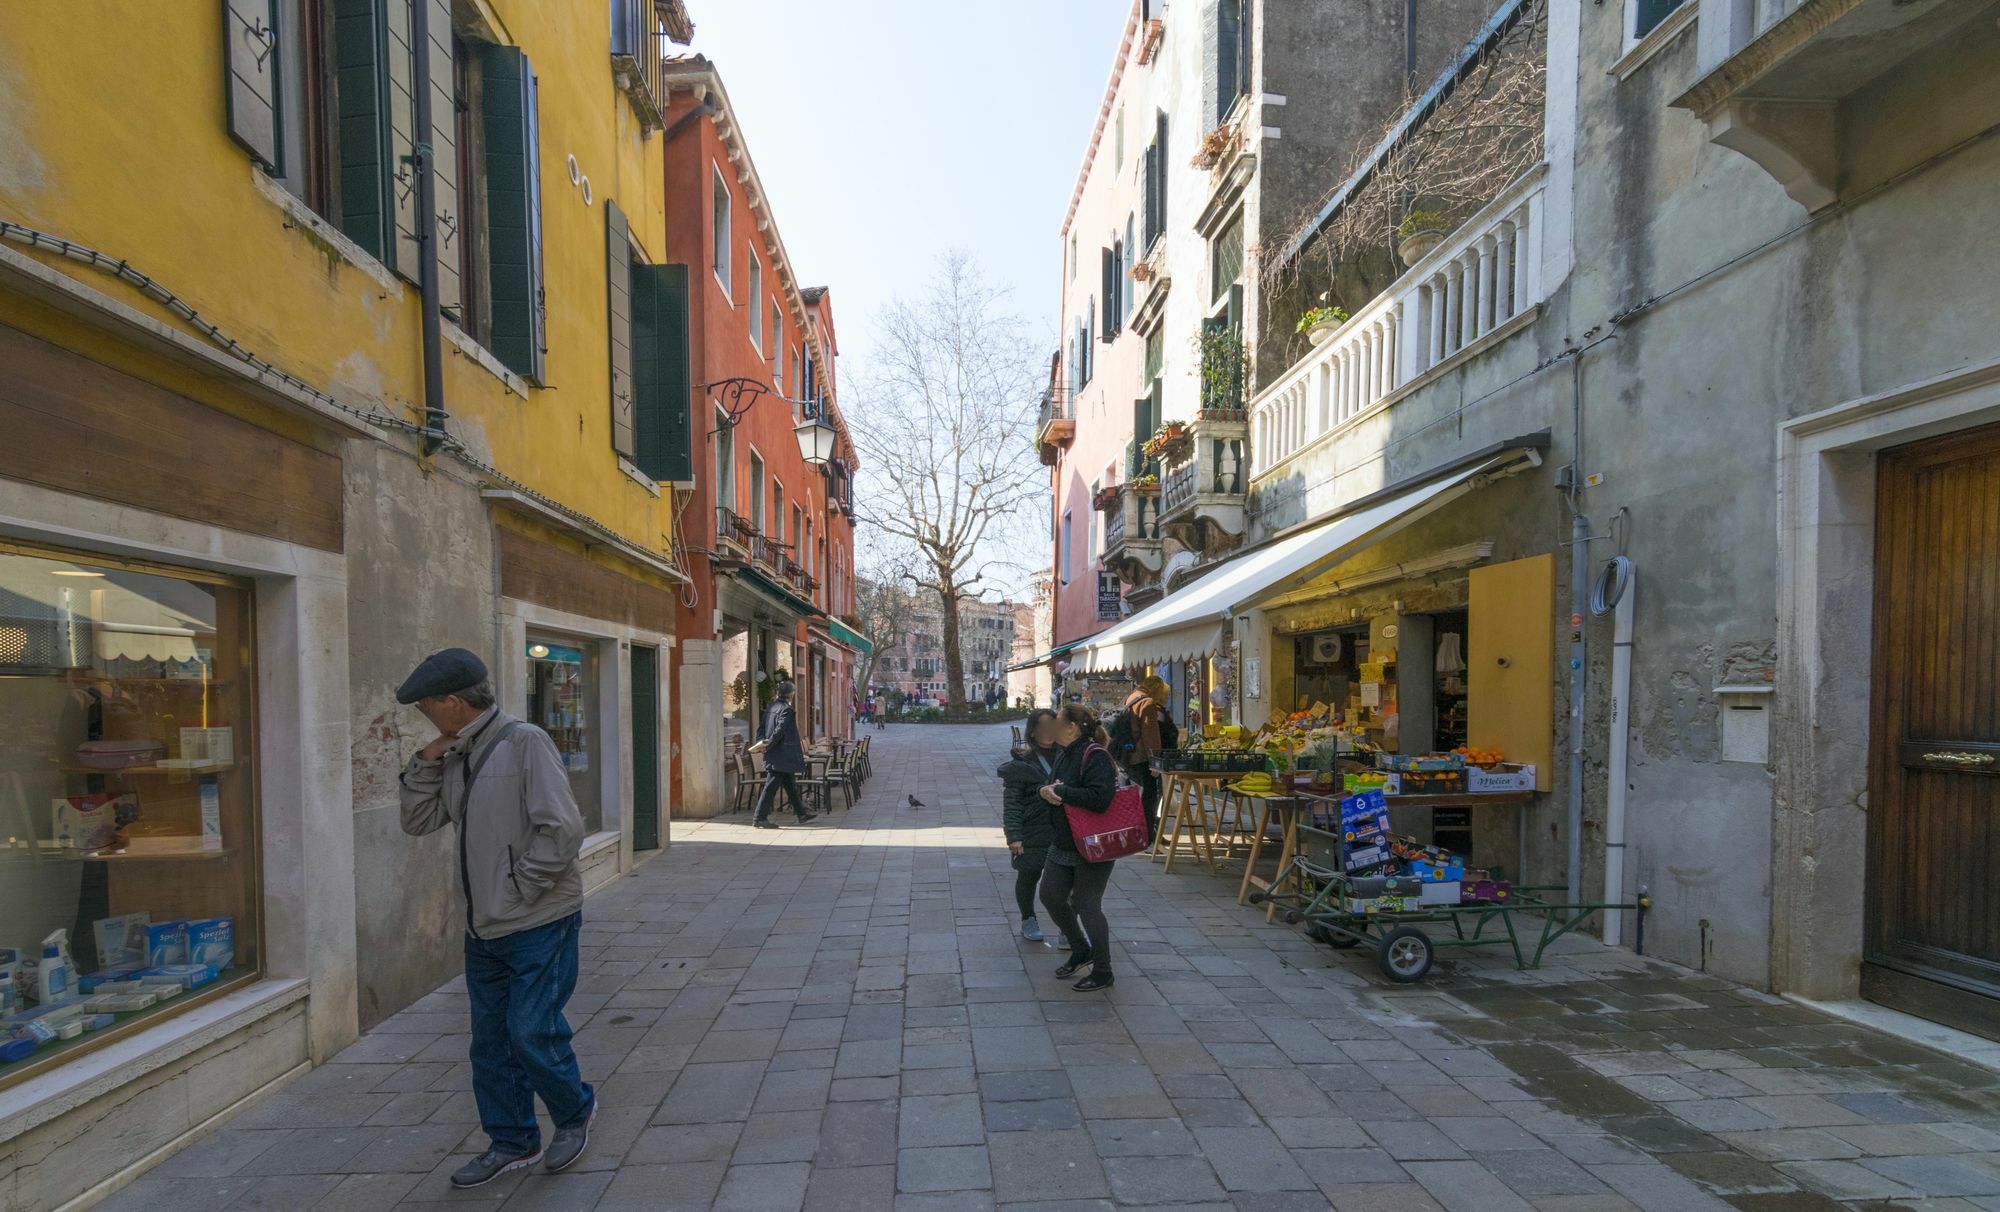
<point x="212" y="941"/>
<point x="166" y="943"/>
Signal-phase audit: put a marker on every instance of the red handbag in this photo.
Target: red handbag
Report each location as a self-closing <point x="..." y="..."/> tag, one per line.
<point x="1113" y="833"/>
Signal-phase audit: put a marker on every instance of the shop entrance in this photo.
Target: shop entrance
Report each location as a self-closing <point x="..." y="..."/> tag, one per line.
<point x="562" y="680"/>
<point x="645" y="748"/>
<point x="1932" y="946"/>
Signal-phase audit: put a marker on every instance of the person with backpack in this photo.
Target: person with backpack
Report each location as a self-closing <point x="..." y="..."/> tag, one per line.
<point x="1139" y="730"/>
<point x="1072" y="887"/>
<point x="1024" y="817"/>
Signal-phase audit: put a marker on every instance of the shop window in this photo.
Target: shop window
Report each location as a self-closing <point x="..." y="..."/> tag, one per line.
<point x="128" y="795"/>
<point x="562" y="683"/>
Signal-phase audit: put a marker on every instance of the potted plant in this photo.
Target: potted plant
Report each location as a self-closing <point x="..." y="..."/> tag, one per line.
<point x="1420" y="232"/>
<point x="1319" y="323"/>
<point x="1215" y="146"/>
<point x="1106" y="499"/>
<point x="1168" y="441"/>
<point x="1145" y="483"/>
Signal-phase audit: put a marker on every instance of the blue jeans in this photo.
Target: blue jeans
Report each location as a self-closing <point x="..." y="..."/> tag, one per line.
<point x="520" y="1040"/>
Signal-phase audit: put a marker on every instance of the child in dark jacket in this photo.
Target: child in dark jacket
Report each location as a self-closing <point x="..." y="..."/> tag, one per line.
<point x="1024" y="816"/>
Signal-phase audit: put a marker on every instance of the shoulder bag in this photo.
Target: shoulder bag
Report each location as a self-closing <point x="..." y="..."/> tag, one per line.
<point x="1115" y="832"/>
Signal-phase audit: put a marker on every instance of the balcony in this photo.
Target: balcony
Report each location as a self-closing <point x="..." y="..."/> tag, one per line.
<point x="639" y="47"/>
<point x="733" y="533"/>
<point x="1132" y="547"/>
<point x="1820" y="96"/>
<point x="1480" y="284"/>
<point x="1055" y="426"/>
<point x="1204" y="487"/>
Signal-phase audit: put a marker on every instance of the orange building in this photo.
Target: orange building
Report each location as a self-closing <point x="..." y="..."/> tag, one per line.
<point x="768" y="528"/>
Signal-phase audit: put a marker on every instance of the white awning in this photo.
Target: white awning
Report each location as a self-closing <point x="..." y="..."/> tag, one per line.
<point x="1194" y="621"/>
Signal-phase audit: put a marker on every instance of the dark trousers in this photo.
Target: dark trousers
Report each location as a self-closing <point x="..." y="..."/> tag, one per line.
<point x="1149" y="796"/>
<point x="1025" y="879"/>
<point x="768" y="798"/>
<point x="520" y="1040"/>
<point x="1074" y="897"/>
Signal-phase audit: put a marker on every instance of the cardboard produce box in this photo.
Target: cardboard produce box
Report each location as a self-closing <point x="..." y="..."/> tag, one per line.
<point x="1504" y="776"/>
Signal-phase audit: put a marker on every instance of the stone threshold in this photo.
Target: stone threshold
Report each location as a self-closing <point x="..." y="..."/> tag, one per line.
<point x="1959" y="1045"/>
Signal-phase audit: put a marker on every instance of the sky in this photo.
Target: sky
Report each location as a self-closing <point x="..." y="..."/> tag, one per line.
<point x="889" y="132"/>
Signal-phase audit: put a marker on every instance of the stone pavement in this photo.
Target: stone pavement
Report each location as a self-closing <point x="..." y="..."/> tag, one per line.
<point x="840" y="1016"/>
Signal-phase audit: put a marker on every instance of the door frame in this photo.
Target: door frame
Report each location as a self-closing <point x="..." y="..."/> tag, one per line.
<point x="1822" y="733"/>
<point x="646" y="819"/>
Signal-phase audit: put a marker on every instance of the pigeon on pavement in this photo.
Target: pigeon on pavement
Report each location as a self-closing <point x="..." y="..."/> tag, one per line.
<point x="915" y="802"/>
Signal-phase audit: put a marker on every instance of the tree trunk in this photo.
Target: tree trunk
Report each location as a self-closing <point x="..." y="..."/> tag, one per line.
<point x="954" y="660"/>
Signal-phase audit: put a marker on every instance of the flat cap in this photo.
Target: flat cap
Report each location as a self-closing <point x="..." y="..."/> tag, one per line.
<point x="446" y="671"/>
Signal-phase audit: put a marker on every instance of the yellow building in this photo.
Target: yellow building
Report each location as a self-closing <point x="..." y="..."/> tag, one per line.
<point x="246" y="486"/>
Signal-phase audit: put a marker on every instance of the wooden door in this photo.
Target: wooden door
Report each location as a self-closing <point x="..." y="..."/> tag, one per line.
<point x="1510" y="662"/>
<point x="645" y="748"/>
<point x="1933" y="906"/>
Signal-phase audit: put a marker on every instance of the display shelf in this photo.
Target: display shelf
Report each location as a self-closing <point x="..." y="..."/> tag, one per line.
<point x="1489" y="799"/>
<point x="175" y="854"/>
<point x="215" y="768"/>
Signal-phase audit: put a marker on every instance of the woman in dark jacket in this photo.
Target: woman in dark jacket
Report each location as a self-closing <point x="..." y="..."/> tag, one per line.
<point x="784" y="760"/>
<point x="1024" y="816"/>
<point x="1073" y="889"/>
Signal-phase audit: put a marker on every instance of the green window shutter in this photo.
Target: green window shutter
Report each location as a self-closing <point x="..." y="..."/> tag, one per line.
<point x="367" y="168"/>
<point x="402" y="126"/>
<point x="618" y="279"/>
<point x="661" y="390"/>
<point x="514" y="212"/>
<point x="444" y="156"/>
<point x="250" y="80"/>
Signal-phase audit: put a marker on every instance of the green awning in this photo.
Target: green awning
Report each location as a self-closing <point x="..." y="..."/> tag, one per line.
<point x="848" y="636"/>
<point x="777" y="590"/>
<point x="1043" y="658"/>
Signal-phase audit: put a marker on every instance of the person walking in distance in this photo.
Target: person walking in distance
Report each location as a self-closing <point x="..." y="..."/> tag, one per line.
<point x="1140" y="729"/>
<point x="784" y="760"/>
<point x="1073" y="888"/>
<point x="501" y="782"/>
<point x="1024" y="816"/>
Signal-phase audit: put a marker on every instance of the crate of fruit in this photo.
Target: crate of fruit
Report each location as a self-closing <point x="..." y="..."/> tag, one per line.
<point x="1426" y="782"/>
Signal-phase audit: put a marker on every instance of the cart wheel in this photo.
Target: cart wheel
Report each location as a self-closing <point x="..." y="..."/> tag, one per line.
<point x="1293" y="917"/>
<point x="1405" y="955"/>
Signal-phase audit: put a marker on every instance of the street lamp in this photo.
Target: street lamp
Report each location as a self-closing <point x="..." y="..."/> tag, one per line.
<point x="818" y="440"/>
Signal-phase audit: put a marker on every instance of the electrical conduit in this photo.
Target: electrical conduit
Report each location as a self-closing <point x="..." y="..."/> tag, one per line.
<point x="1613" y="594"/>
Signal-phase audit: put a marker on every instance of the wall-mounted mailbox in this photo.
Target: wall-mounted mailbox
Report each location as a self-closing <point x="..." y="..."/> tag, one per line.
<point x="1746" y="723"/>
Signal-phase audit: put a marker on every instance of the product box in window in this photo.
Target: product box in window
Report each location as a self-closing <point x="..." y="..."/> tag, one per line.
<point x="91" y="822"/>
<point x="1500" y="776"/>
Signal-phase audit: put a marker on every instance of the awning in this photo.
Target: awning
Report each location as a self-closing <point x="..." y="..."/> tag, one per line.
<point x="129" y="616"/>
<point x="774" y="592"/>
<point x="844" y="634"/>
<point x="1043" y="658"/>
<point x="1194" y="621"/>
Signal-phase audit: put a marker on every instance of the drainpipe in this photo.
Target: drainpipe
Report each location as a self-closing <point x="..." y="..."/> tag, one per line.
<point x="1579" y="585"/>
<point x="1615" y="590"/>
<point x="427" y="272"/>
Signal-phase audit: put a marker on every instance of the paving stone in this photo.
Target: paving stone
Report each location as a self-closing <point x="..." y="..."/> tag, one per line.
<point x="1844" y="1180"/>
<point x="1465" y="1186"/>
<point x="1047" y="1114"/>
<point x="1416" y="1140"/>
<point x="684" y="1143"/>
<point x="1045" y="1165"/>
<point x="704" y="1094"/>
<point x="1162" y="1180"/>
<point x="1897" y="1140"/>
<point x="951" y="1119"/>
<point x="1487" y="1133"/>
<point x="778" y="1136"/>
<point x="952" y="1168"/>
<point x="1931" y="1175"/>
<point x="1655" y="1188"/>
<point x="846" y="1190"/>
<point x="1318" y="1132"/>
<point x="772" y="1188"/>
<point x="1792" y="1144"/>
<point x="1340" y="1168"/>
<point x="1382" y="1197"/>
<point x="1024" y="1086"/>
<point x="1251" y="1159"/>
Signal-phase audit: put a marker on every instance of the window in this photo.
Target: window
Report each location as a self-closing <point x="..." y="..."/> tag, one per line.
<point x="719" y="232"/>
<point x="725" y="461"/>
<point x="510" y="204"/>
<point x="797" y="534"/>
<point x="1090" y="531"/>
<point x="618" y="283"/>
<point x="756" y="492"/>
<point x="1128" y="287"/>
<point x="1114" y="287"/>
<point x="1225" y="68"/>
<point x="1646" y="16"/>
<point x="1225" y="259"/>
<point x="1156" y="181"/>
<point x="1072" y="258"/>
<point x="777" y="331"/>
<point x="128" y="697"/>
<point x="756" y="301"/>
<point x="1063" y="542"/>
<point x="562" y="687"/>
<point x="662" y="417"/>
<point x="778" y="512"/>
<point x="1118" y="141"/>
<point x="1087" y="355"/>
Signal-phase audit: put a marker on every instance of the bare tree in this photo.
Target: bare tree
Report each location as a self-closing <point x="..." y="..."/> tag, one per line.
<point x="883" y="602"/>
<point x="943" y="419"/>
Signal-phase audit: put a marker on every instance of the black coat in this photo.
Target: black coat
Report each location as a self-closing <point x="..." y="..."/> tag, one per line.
<point x="1085" y="782"/>
<point x="787" y="754"/>
<point x="1024" y="815"/>
<point x="1124" y="732"/>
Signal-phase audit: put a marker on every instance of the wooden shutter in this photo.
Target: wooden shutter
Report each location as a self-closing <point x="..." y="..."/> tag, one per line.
<point x="618" y="283"/>
<point x="250" y="80"/>
<point x="1107" y="266"/>
<point x="1211" y="61"/>
<point x="367" y="165"/>
<point x="1228" y="59"/>
<point x="1510" y="661"/>
<point x="444" y="156"/>
<point x="661" y="392"/>
<point x="402" y="126"/>
<point x="514" y="211"/>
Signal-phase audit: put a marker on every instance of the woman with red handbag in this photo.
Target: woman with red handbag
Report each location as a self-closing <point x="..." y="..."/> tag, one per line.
<point x="1085" y="783"/>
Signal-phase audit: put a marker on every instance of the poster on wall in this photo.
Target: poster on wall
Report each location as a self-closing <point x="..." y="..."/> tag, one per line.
<point x="1253" y="677"/>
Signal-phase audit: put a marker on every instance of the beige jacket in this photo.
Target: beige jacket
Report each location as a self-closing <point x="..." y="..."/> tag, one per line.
<point x="517" y="845"/>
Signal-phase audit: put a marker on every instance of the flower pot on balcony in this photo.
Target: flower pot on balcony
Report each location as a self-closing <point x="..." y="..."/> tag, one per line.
<point x="1417" y="245"/>
<point x="1319" y="333"/>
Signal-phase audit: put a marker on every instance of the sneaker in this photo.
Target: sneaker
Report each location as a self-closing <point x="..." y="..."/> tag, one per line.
<point x="1078" y="961"/>
<point x="810" y="816"/>
<point x="1031" y="930"/>
<point x="1099" y="978"/>
<point x="491" y="1165"/>
<point x="764" y="825"/>
<point x="568" y="1143"/>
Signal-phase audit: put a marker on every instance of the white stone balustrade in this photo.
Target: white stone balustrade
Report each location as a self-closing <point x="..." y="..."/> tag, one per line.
<point x="1483" y="275"/>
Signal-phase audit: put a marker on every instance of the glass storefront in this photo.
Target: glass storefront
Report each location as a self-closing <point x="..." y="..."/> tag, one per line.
<point x="562" y="683"/>
<point x="128" y="799"/>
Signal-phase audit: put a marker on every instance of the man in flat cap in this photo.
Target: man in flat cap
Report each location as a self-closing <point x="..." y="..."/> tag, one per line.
<point x="502" y="783"/>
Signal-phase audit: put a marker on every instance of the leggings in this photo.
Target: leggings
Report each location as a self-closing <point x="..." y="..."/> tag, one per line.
<point x="1025" y="879"/>
<point x="1073" y="893"/>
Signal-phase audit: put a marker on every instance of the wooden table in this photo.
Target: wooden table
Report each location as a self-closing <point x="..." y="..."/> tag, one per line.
<point x="1185" y="794"/>
<point x="1289" y="808"/>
